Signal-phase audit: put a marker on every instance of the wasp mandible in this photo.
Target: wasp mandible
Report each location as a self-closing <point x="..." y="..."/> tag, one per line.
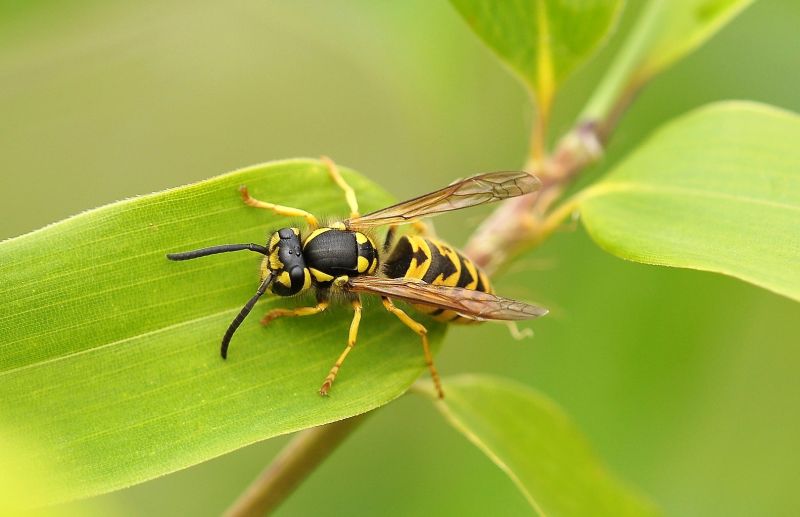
<point x="419" y="269"/>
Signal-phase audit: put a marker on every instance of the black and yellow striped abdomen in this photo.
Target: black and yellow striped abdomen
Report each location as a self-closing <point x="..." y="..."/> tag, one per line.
<point x="437" y="263"/>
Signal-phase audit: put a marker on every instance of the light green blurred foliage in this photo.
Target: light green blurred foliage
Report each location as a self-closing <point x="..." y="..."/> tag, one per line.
<point x="717" y="189"/>
<point x="685" y="382"/>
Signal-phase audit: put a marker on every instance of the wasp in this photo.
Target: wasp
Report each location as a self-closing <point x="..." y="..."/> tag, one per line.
<point x="343" y="257"/>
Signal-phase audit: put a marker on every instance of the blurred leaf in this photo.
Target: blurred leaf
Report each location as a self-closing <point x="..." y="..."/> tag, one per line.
<point x="683" y="25"/>
<point x="543" y="41"/>
<point x="717" y="190"/>
<point x="25" y="486"/>
<point x="535" y="443"/>
<point x="109" y="353"/>
<point x="665" y="32"/>
<point x="20" y="491"/>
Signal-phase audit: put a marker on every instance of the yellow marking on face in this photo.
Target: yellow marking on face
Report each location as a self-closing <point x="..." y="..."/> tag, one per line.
<point x="284" y="279"/>
<point x="264" y="269"/>
<point x="274" y="262"/>
<point x="296" y="231"/>
<point x="363" y="264"/>
<point x="307" y="279"/>
<point x="316" y="233"/>
<point x="361" y="238"/>
<point x="319" y="276"/>
<point x="273" y="241"/>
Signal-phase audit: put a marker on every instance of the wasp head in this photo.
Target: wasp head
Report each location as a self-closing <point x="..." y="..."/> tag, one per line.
<point x="285" y="263"/>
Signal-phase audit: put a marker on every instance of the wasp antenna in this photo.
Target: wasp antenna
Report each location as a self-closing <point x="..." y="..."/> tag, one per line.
<point x="226" y="339"/>
<point x="213" y="250"/>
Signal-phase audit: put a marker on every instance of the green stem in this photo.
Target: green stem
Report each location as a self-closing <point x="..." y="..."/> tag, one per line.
<point x="517" y="223"/>
<point x="622" y="80"/>
<point x="307" y="450"/>
<point x="524" y="222"/>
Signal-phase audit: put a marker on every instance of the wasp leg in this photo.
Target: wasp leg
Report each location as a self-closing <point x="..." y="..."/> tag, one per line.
<point x="423" y="333"/>
<point x="421" y="228"/>
<point x="349" y="194"/>
<point x="351" y="342"/>
<point x="425" y="229"/>
<point x="286" y="211"/>
<point x="516" y="332"/>
<point x="300" y="311"/>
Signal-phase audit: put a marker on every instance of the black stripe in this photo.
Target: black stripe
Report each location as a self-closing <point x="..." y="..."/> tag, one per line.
<point x="479" y="286"/>
<point x="420" y="256"/>
<point x="400" y="259"/>
<point x="465" y="278"/>
<point x="440" y="265"/>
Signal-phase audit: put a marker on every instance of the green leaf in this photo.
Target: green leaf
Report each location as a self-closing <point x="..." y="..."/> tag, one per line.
<point x="109" y="353"/>
<point x="718" y="190"/>
<point x="542" y="41"/>
<point x="665" y="32"/>
<point x="682" y="26"/>
<point x="535" y="443"/>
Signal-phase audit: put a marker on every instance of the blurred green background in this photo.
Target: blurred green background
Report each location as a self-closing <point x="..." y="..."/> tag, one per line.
<point x="686" y="383"/>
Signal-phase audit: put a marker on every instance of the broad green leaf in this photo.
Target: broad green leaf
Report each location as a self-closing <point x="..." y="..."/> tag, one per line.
<point x="542" y="41"/>
<point x="109" y="357"/>
<point x="665" y="32"/>
<point x="718" y="190"/>
<point x="535" y="443"/>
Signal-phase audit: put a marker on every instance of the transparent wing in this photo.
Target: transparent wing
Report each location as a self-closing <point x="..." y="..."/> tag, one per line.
<point x="477" y="190"/>
<point x="468" y="303"/>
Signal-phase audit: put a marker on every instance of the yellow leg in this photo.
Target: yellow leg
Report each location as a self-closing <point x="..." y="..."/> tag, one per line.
<point x="351" y="342"/>
<point x="425" y="229"/>
<point x="516" y="332"/>
<point x="301" y="311"/>
<point x="421" y="228"/>
<point x="286" y="211"/>
<point x="423" y="333"/>
<point x="349" y="194"/>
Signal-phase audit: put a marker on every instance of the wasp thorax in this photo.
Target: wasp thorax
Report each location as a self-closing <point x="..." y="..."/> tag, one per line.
<point x="286" y="263"/>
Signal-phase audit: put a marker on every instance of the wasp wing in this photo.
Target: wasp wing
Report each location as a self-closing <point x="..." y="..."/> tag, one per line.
<point x="477" y="190"/>
<point x="475" y="305"/>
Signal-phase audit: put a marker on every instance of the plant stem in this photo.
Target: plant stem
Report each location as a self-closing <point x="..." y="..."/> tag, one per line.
<point x="523" y="222"/>
<point x="520" y="222"/>
<point x="304" y="453"/>
<point x="538" y="144"/>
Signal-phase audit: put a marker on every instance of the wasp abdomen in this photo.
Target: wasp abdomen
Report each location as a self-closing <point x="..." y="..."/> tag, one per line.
<point x="435" y="262"/>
